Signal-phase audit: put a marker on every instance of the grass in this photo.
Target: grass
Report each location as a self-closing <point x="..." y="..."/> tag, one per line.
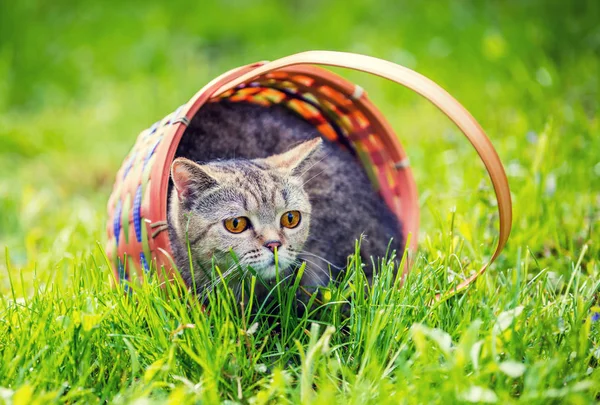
<point x="83" y="79"/>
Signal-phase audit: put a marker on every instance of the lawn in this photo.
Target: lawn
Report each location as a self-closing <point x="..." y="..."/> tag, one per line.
<point x="81" y="79"/>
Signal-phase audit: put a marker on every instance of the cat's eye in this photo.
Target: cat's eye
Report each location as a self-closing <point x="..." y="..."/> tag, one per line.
<point x="290" y="219"/>
<point x="237" y="224"/>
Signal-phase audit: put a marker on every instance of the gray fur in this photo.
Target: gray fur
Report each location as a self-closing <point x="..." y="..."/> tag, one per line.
<point x="329" y="187"/>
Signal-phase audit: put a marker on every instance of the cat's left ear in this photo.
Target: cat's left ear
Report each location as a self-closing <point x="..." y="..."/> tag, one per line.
<point x="189" y="177"/>
<point x="297" y="160"/>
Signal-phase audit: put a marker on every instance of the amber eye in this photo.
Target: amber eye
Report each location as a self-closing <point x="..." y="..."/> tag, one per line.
<point x="237" y="224"/>
<point x="290" y="219"/>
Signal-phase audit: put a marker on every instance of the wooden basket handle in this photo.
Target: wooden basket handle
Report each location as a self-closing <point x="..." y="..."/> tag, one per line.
<point x="431" y="91"/>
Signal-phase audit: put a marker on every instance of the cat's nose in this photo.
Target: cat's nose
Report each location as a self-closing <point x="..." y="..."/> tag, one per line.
<point x="272" y="244"/>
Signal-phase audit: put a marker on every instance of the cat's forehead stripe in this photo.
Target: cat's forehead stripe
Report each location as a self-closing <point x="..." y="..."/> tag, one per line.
<point x="285" y="195"/>
<point x="254" y="197"/>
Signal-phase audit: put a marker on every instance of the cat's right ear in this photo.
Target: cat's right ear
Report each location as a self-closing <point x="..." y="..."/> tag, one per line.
<point x="190" y="177"/>
<point x="297" y="160"/>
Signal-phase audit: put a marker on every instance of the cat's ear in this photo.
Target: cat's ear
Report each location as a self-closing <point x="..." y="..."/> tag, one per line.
<point x="191" y="177"/>
<point x="297" y="160"/>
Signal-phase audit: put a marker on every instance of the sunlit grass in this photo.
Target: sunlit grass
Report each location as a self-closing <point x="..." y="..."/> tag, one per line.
<point x="509" y="337"/>
<point x="82" y="80"/>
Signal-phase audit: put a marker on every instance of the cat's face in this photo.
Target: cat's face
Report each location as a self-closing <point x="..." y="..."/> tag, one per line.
<point x="254" y="208"/>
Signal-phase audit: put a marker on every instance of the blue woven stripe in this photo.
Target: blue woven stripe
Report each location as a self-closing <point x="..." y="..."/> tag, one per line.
<point x="117" y="222"/>
<point x="152" y="129"/>
<point x="144" y="262"/>
<point x="151" y="151"/>
<point x="129" y="165"/>
<point x="137" y="213"/>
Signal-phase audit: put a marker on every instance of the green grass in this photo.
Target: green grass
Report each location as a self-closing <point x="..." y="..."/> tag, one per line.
<point x="81" y="80"/>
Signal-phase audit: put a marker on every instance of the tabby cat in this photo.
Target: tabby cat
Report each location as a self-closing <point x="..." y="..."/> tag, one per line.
<point x="266" y="185"/>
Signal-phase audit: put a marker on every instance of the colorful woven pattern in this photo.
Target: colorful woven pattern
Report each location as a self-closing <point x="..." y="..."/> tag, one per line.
<point x="137" y="233"/>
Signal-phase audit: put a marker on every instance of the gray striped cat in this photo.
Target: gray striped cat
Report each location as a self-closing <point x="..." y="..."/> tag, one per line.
<point x="267" y="185"/>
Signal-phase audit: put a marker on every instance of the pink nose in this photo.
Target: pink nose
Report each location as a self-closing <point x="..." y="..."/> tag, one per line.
<point x="272" y="244"/>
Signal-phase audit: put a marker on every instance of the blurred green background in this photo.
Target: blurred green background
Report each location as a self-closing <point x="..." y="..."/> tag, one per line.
<point x="80" y="79"/>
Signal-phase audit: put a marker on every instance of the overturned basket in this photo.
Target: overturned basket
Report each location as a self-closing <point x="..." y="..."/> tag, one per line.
<point x="137" y="208"/>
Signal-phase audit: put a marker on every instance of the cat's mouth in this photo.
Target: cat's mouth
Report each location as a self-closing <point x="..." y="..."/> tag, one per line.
<point x="269" y="269"/>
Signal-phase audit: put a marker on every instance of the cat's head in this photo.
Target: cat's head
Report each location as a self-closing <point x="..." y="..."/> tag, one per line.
<point x="252" y="208"/>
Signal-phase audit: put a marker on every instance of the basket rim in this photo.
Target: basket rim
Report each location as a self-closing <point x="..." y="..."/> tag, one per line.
<point x="174" y="125"/>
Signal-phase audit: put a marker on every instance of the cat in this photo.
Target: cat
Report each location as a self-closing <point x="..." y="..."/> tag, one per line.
<point x="268" y="185"/>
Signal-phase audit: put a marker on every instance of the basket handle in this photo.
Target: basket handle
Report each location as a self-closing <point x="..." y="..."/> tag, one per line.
<point x="431" y="91"/>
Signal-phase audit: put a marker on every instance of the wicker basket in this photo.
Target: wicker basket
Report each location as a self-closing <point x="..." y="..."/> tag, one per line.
<point x="341" y="111"/>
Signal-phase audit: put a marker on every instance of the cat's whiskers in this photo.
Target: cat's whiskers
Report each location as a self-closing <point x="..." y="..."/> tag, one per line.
<point x="314" y="164"/>
<point x="219" y="279"/>
<point x="304" y="252"/>
<point x="311" y="272"/>
<point x="240" y="283"/>
<point x="313" y="177"/>
<point x="314" y="265"/>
